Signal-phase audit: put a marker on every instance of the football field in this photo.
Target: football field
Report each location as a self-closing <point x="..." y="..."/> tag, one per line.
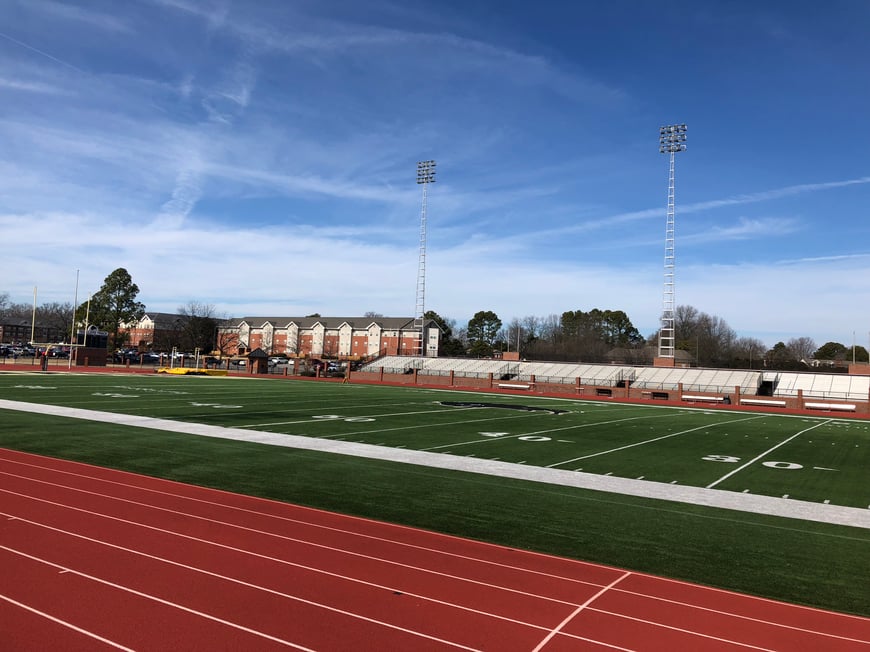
<point x="820" y="461"/>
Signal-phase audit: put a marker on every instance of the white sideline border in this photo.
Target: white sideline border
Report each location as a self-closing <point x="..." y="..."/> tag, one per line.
<point x="756" y="504"/>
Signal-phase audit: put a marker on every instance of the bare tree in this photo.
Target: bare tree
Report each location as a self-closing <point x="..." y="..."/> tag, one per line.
<point x="801" y="348"/>
<point x="748" y="352"/>
<point x="199" y="325"/>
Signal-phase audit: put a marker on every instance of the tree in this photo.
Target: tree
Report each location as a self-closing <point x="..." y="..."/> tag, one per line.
<point x="591" y="335"/>
<point x="860" y="354"/>
<point x="831" y="351"/>
<point x="371" y="315"/>
<point x="450" y="345"/>
<point x="55" y="316"/>
<point x="114" y="304"/>
<point x="483" y="329"/>
<point x="801" y="348"/>
<point x="709" y="337"/>
<point x="748" y="352"/>
<point x="199" y="325"/>
<point x="780" y="357"/>
<point x="227" y="337"/>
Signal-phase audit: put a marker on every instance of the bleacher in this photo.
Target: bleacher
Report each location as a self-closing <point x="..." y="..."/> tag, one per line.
<point x="601" y="375"/>
<point x="826" y="386"/>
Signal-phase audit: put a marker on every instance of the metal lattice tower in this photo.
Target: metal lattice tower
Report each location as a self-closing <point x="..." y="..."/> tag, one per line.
<point x="425" y="176"/>
<point x="672" y="139"/>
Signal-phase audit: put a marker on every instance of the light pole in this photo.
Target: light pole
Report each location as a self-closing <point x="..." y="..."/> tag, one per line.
<point x="425" y="176"/>
<point x="672" y="139"/>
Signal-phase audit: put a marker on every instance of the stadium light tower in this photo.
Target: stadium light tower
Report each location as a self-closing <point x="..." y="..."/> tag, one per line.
<point x="425" y="176"/>
<point x="672" y="139"/>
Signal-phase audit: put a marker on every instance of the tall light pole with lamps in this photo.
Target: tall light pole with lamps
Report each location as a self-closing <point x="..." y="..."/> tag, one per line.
<point x="672" y="139"/>
<point x="425" y="176"/>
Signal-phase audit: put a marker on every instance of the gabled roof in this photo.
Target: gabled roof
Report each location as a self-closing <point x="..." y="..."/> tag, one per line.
<point x="389" y="323"/>
<point x="161" y="319"/>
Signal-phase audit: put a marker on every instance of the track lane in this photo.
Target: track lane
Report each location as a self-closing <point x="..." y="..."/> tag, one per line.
<point x="618" y="617"/>
<point x="541" y="598"/>
<point x="752" y="607"/>
<point x="239" y="588"/>
<point x="25" y="628"/>
<point x="322" y="527"/>
<point x="127" y="619"/>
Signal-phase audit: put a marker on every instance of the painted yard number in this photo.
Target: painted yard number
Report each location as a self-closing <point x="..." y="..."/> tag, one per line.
<point x="772" y="465"/>
<point x="523" y="438"/>
<point x="340" y="418"/>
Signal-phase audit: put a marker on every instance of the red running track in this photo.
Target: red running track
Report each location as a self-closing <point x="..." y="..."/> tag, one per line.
<point x="94" y="559"/>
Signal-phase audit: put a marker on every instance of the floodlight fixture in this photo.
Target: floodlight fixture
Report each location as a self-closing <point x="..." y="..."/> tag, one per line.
<point x="426" y="172"/>
<point x="672" y="139"/>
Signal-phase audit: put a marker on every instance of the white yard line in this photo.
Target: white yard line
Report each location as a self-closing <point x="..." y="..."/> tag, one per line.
<point x="650" y="441"/>
<point x="768" y="451"/>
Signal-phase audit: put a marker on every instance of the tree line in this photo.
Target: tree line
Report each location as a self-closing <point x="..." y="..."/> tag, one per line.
<point x="603" y="336"/>
<point x="594" y="336"/>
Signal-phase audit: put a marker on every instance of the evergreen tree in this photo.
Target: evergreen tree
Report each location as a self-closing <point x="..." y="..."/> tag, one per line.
<point x="113" y="305"/>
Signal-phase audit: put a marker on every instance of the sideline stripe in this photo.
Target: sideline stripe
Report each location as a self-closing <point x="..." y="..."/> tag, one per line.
<point x="65" y="624"/>
<point x="757" y="504"/>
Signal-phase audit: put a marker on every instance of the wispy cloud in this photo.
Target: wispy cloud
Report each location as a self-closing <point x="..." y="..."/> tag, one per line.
<point x="743" y="229"/>
<point x="776" y="193"/>
<point x="41" y="53"/>
<point x="30" y="86"/>
<point x="597" y="222"/>
<point x="65" y="12"/>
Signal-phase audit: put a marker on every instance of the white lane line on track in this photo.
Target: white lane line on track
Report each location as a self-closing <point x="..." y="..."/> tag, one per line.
<point x="685" y="631"/>
<point x="307" y="568"/>
<point x="580" y="608"/>
<point x="745" y="617"/>
<point x="156" y="599"/>
<point x="283" y="537"/>
<point x="66" y="624"/>
<point x="227" y="579"/>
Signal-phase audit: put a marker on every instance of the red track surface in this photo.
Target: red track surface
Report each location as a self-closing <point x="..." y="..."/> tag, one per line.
<point x="94" y="559"/>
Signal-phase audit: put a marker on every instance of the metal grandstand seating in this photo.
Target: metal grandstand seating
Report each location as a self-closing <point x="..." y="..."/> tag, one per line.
<point x="785" y="384"/>
<point x="829" y="386"/>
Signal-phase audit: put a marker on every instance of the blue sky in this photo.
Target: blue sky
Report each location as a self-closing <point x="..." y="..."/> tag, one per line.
<point x="261" y="157"/>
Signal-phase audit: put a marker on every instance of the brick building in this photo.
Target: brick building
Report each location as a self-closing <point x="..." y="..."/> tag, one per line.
<point x="332" y="337"/>
<point x="21" y="331"/>
<point x="156" y="331"/>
